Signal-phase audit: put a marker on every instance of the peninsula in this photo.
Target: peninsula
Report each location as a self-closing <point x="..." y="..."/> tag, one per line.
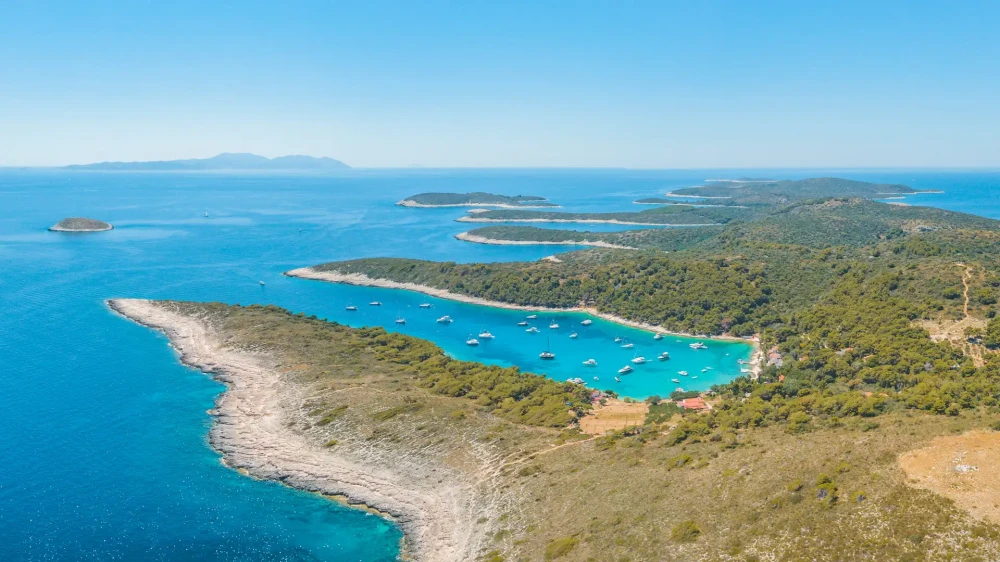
<point x="476" y="199"/>
<point x="673" y="215"/>
<point x="479" y="462"/>
<point x="80" y="224"/>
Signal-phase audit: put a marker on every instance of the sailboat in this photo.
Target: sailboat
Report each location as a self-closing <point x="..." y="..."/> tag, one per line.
<point x="532" y="330"/>
<point x="400" y="319"/>
<point x="351" y="307"/>
<point x="485" y="334"/>
<point x="553" y="325"/>
<point x="547" y="354"/>
<point x="627" y="345"/>
<point x="638" y="359"/>
<point x="472" y="341"/>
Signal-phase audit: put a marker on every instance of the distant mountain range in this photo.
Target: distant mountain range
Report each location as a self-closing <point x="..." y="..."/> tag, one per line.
<point x="224" y="161"/>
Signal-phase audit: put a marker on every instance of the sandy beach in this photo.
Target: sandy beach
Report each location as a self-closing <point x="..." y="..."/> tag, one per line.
<point x="482" y="240"/>
<point x="364" y="280"/>
<point x="583" y="221"/>
<point x="414" y="204"/>
<point x="255" y="430"/>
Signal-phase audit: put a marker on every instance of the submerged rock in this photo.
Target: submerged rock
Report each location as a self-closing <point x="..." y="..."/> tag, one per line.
<point x="80" y="224"/>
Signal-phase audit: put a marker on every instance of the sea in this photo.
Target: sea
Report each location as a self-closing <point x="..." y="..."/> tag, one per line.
<point x="103" y="434"/>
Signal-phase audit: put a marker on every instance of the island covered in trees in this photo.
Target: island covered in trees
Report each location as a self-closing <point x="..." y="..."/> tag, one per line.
<point x="476" y="199"/>
<point x="80" y="224"/>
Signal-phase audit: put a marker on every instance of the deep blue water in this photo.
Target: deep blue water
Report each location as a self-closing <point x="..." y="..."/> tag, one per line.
<point x="103" y="433"/>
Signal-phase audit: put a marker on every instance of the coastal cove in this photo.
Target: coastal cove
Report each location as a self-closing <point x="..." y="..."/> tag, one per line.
<point x="108" y="433"/>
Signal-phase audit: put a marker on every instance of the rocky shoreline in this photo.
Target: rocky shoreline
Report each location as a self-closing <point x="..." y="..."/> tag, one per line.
<point x="584" y="221"/>
<point x="80" y="224"/>
<point x="414" y="204"/>
<point x="756" y="358"/>
<point x="253" y="433"/>
<point x="465" y="236"/>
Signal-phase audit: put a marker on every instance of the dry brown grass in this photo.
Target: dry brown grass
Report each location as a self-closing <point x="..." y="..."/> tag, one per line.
<point x="614" y="415"/>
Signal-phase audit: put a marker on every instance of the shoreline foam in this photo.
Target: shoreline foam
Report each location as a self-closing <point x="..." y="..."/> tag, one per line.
<point x="465" y="236"/>
<point x="756" y="355"/>
<point x="581" y="221"/>
<point x="251" y="433"/>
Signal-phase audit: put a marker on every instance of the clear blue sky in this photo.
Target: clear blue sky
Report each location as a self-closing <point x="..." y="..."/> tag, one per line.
<point x="638" y="84"/>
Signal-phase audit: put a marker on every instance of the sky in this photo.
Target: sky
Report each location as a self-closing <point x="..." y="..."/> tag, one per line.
<point x="659" y="84"/>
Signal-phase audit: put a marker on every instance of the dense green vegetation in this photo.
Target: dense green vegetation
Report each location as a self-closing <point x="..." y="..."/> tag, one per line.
<point x="667" y="239"/>
<point x="786" y="191"/>
<point x="477" y="198"/>
<point x="668" y="215"/>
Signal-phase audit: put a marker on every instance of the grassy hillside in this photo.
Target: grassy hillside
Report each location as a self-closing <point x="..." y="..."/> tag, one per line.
<point x="671" y="215"/>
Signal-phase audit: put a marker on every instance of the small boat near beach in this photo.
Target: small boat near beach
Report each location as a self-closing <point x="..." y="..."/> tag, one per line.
<point x="553" y="326"/>
<point x="532" y="317"/>
<point x="587" y="322"/>
<point x="444" y="320"/>
<point x="400" y="320"/>
<point x="532" y="330"/>
<point x="682" y="373"/>
<point x="425" y="305"/>
<point x="625" y="370"/>
<point x="374" y="303"/>
<point x="522" y="323"/>
<point x="658" y="336"/>
<point x="628" y="345"/>
<point x="597" y="378"/>
<point x="350" y="308"/>
<point x="576" y="380"/>
<point x="618" y="339"/>
<point x="678" y="381"/>
<point x="472" y="341"/>
<point x="663" y="356"/>
<point x="638" y="360"/>
<point x="573" y="336"/>
<point x="617" y="379"/>
<point x="697" y="345"/>
<point x="590" y="362"/>
<point x="261" y="283"/>
<point x="485" y="334"/>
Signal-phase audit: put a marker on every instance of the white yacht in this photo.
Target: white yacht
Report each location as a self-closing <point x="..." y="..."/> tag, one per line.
<point x="261" y="283"/>
<point x="374" y="303"/>
<point x="590" y="362"/>
<point x="532" y="330"/>
<point x="682" y="373"/>
<point x="663" y="356"/>
<point x="522" y="323"/>
<point x="485" y="335"/>
<point x="678" y="381"/>
<point x="625" y="370"/>
<point x="444" y="320"/>
<point x="658" y="336"/>
<point x="573" y="336"/>
<point x="400" y="320"/>
<point x="617" y="379"/>
<point x="531" y="316"/>
<point x="351" y="307"/>
<point x="628" y="345"/>
<point x="425" y="305"/>
<point x="472" y="341"/>
<point x="697" y="345"/>
<point x="576" y="381"/>
<point x="618" y="339"/>
<point x="587" y="322"/>
<point x="553" y="325"/>
<point x="547" y="354"/>
<point x="638" y="360"/>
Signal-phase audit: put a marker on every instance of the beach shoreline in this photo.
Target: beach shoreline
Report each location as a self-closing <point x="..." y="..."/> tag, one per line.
<point x="756" y="360"/>
<point x="582" y="221"/>
<point x="251" y="430"/>
<point x="466" y="237"/>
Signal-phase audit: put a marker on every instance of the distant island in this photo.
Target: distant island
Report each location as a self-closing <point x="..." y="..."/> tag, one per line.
<point x="80" y="224"/>
<point x="478" y="199"/>
<point x="224" y="161"/>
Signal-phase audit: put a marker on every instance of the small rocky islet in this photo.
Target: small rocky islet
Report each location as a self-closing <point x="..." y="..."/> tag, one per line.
<point x="80" y="224"/>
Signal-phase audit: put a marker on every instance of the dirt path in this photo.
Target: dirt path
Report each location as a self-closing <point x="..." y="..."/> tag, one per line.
<point x="966" y="275"/>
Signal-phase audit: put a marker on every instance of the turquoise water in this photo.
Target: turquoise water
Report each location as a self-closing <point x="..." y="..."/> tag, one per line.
<point x="103" y="433"/>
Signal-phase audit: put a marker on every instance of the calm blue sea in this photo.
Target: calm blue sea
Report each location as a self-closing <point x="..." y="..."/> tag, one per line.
<point x="103" y="452"/>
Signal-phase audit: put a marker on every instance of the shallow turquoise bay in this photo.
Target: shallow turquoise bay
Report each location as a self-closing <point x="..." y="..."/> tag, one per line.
<point x="104" y="434"/>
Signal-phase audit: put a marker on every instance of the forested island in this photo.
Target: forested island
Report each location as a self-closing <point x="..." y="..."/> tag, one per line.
<point x="80" y="224"/>
<point x="676" y="215"/>
<point x="476" y="199"/>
